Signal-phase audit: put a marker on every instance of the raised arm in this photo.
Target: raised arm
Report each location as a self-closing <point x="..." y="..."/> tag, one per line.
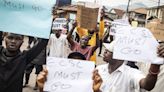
<point x="97" y="42"/>
<point x="69" y="35"/>
<point x="36" y="49"/>
<point x="105" y="37"/>
<point x="149" y="82"/>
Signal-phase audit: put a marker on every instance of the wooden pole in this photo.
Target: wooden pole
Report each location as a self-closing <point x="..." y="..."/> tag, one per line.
<point x="127" y="9"/>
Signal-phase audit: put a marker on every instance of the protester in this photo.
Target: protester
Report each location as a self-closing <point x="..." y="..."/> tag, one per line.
<point x="37" y="64"/>
<point x="58" y="44"/>
<point x="13" y="62"/>
<point x="92" y="38"/>
<point x="115" y="75"/>
<point x="42" y="75"/>
<point x="83" y="47"/>
<point x="101" y="30"/>
<point x="92" y="35"/>
<point x="110" y="77"/>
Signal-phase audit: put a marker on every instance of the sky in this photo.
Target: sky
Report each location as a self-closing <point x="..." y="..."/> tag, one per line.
<point x="148" y="3"/>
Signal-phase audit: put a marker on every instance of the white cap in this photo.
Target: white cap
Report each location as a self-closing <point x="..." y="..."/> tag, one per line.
<point x="109" y="46"/>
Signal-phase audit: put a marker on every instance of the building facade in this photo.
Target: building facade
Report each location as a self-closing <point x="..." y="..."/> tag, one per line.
<point x="156" y="12"/>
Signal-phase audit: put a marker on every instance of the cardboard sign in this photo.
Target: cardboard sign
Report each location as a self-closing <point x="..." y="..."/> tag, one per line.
<point x="68" y="75"/>
<point x="157" y="29"/>
<point x="87" y="17"/>
<point x="26" y="17"/>
<point x="59" y="23"/>
<point x="136" y="44"/>
<point x="72" y="16"/>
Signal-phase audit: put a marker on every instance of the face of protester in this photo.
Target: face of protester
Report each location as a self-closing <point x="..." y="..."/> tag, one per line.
<point x="57" y="33"/>
<point x="84" y="41"/>
<point x="13" y="42"/>
<point x="107" y="56"/>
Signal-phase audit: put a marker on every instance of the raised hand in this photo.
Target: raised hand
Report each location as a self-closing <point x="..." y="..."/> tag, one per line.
<point x="41" y="78"/>
<point x="97" y="81"/>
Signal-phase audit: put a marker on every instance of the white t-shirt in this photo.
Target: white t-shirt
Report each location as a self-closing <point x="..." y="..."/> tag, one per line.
<point x="124" y="79"/>
<point x="58" y="47"/>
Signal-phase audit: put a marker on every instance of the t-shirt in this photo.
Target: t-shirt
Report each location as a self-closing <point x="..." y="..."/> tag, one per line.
<point x="124" y="79"/>
<point x="58" y="47"/>
<point x="87" y="52"/>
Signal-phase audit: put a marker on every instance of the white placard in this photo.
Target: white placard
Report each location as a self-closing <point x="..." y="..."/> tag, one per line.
<point x="59" y="23"/>
<point x="26" y="17"/>
<point x="67" y="75"/>
<point x="72" y="16"/>
<point x="116" y="24"/>
<point x="136" y="44"/>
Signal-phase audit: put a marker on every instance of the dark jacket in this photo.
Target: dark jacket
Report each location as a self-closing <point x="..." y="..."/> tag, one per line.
<point x="12" y="68"/>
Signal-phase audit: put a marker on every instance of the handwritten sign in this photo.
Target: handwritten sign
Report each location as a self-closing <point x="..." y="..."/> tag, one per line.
<point x="26" y="17"/>
<point x="68" y="75"/>
<point x="59" y="23"/>
<point x="72" y="16"/>
<point x="116" y="24"/>
<point x="157" y="29"/>
<point x="87" y="17"/>
<point x="136" y="44"/>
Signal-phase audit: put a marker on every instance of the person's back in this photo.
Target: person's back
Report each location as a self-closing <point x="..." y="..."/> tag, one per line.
<point x="13" y="62"/>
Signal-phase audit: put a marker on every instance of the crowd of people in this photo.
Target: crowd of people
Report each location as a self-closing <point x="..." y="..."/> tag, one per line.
<point x="114" y="76"/>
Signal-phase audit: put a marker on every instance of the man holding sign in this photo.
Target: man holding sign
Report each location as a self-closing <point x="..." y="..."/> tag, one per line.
<point x="110" y="77"/>
<point x="58" y="44"/>
<point x="13" y="62"/>
<point x="26" y="17"/>
<point x="116" y="76"/>
<point x="134" y="44"/>
<point x="74" y="69"/>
